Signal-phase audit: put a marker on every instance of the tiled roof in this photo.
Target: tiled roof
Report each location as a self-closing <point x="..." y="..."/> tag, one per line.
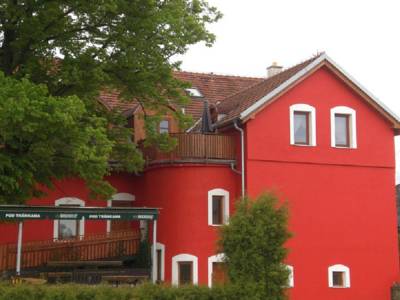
<point x="112" y="101"/>
<point x="214" y="88"/>
<point x="234" y="105"/>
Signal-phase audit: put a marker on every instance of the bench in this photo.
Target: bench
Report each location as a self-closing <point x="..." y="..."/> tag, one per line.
<point x="124" y="279"/>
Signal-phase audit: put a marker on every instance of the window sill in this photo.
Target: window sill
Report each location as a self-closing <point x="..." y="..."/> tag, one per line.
<point x="216" y="225"/>
<point x="339" y="287"/>
<point x="343" y="147"/>
<point x="302" y="145"/>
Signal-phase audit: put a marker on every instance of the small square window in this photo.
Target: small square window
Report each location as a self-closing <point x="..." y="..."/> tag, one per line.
<point x="342" y="130"/>
<point x="217" y="210"/>
<point x="185" y="272"/>
<point x="164" y="126"/>
<point x="301" y="124"/>
<point x="194" y="92"/>
<point x="339" y="276"/>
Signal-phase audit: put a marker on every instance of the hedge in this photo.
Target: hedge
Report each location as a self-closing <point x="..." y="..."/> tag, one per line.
<point x="106" y="292"/>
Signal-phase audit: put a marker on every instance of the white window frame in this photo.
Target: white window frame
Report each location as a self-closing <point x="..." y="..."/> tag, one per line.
<point x="352" y="123"/>
<point x="218" y="258"/>
<point x="175" y="267"/>
<point x="225" y="195"/>
<point x="339" y="268"/>
<point x="301" y="107"/>
<point x="69" y="201"/>
<point x="290" y="282"/>
<point x="161" y="247"/>
<point x="118" y="197"/>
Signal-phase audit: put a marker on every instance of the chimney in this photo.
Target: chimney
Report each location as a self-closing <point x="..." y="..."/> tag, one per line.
<point x="273" y="69"/>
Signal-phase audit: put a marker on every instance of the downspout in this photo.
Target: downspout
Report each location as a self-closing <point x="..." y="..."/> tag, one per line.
<point x="242" y="153"/>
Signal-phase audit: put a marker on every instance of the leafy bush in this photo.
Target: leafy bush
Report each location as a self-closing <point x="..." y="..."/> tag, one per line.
<point x="103" y="292"/>
<point x="253" y="244"/>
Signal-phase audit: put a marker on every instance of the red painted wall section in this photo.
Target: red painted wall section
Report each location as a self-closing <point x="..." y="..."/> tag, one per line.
<point x="182" y="194"/>
<point x="43" y="230"/>
<point x="341" y="201"/>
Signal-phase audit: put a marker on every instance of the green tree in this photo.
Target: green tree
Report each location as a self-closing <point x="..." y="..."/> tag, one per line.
<point x="253" y="244"/>
<point x="73" y="49"/>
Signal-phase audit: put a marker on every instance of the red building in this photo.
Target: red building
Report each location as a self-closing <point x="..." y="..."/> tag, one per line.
<point x="312" y="135"/>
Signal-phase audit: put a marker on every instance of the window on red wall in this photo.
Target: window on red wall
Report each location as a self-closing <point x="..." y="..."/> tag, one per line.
<point x="342" y="130"/>
<point x="185" y="272"/>
<point x="301" y="123"/>
<point x="217" y="210"/>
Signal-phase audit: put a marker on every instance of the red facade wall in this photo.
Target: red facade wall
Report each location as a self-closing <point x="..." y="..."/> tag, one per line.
<point x="43" y="230"/>
<point x="182" y="194"/>
<point x="341" y="201"/>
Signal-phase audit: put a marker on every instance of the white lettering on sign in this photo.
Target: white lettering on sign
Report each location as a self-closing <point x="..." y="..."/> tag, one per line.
<point x="68" y="216"/>
<point x="26" y="215"/>
<point x="104" y="216"/>
<point x="147" y="217"/>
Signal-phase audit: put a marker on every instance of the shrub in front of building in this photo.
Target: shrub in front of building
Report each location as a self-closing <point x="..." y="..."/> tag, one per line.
<point x="253" y="247"/>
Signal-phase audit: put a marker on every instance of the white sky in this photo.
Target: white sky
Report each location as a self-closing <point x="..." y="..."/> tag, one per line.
<point x="361" y="36"/>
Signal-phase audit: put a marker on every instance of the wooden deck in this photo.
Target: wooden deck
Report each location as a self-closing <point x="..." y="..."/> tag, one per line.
<point x="91" y="247"/>
<point x="195" y="146"/>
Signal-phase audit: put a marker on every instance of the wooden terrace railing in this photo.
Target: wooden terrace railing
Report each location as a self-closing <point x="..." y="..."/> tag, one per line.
<point x="195" y="146"/>
<point x="91" y="247"/>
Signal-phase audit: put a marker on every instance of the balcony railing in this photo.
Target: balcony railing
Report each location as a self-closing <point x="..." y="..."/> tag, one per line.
<point x="91" y="247"/>
<point x="195" y="147"/>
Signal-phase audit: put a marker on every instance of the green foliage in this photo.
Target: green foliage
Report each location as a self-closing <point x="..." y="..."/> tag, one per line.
<point x="44" y="137"/>
<point x="253" y="243"/>
<point x="102" y="292"/>
<point x="73" y="49"/>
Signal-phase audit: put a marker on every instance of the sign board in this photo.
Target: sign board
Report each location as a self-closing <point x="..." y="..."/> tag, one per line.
<point x="22" y="212"/>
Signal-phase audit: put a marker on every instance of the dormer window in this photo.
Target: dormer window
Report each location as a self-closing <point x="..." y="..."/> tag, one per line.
<point x="194" y="92"/>
<point x="302" y="125"/>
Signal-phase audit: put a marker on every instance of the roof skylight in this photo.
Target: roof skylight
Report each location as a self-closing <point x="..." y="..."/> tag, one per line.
<point x="194" y="92"/>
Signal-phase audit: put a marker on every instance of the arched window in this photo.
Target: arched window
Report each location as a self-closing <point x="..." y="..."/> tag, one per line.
<point x="216" y="269"/>
<point x="68" y="229"/>
<point x="302" y="125"/>
<point x="290" y="283"/>
<point x="339" y="276"/>
<point x="218" y="207"/>
<point x="160" y="261"/>
<point x="343" y="127"/>
<point x="184" y="269"/>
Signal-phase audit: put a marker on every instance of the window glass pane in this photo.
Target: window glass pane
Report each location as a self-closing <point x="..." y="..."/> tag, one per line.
<point x="159" y="264"/>
<point x="342" y="130"/>
<point x="164" y="126"/>
<point x="338" y="278"/>
<point x="185" y="272"/>
<point x="217" y="210"/>
<point x="301" y="127"/>
<point x="67" y="229"/>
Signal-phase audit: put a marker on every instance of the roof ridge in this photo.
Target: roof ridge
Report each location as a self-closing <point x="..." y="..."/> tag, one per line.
<point x="274" y="76"/>
<point x="218" y="74"/>
<point x="287" y="70"/>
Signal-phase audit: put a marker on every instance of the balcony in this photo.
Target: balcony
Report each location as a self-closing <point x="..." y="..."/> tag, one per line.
<point x="195" y="148"/>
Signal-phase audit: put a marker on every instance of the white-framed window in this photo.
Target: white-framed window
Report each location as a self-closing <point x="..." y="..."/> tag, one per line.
<point x="214" y="266"/>
<point x="218" y="207"/>
<point x="343" y="127"/>
<point x="164" y="126"/>
<point x="184" y="269"/>
<point x="160" y="261"/>
<point x="290" y="282"/>
<point x="116" y="201"/>
<point x="302" y="125"/>
<point x="338" y="276"/>
<point x="68" y="229"/>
